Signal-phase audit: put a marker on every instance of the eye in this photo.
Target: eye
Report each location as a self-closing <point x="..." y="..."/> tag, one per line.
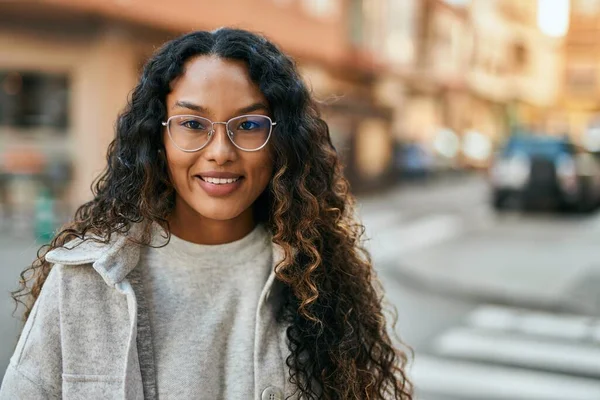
<point x="193" y="124"/>
<point x="248" y="126"/>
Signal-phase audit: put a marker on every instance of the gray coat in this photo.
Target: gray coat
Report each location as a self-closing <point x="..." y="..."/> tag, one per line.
<point x="88" y="335"/>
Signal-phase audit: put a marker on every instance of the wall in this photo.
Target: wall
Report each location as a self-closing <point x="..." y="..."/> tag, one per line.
<point x="295" y="24"/>
<point x="102" y="69"/>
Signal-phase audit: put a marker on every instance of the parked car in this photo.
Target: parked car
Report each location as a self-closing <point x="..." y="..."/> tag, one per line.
<point x="537" y="170"/>
<point x="414" y="161"/>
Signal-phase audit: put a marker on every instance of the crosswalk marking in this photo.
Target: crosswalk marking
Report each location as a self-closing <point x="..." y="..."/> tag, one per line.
<point x="466" y="380"/>
<point x="573" y="327"/>
<point x="493" y="317"/>
<point x="500" y="352"/>
<point x="520" y="350"/>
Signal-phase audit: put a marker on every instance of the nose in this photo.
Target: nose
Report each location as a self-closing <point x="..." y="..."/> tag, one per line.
<point x="220" y="150"/>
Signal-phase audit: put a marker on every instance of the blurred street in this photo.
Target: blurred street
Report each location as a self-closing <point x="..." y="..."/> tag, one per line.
<point x="496" y="306"/>
<point x="447" y="236"/>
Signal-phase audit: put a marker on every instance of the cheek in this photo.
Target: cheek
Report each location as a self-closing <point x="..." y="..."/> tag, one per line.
<point x="177" y="165"/>
<point x="263" y="172"/>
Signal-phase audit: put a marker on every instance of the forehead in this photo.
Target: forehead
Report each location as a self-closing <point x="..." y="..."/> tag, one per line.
<point x="211" y="82"/>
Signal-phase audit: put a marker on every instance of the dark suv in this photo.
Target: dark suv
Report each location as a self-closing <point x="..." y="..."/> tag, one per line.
<point x="538" y="170"/>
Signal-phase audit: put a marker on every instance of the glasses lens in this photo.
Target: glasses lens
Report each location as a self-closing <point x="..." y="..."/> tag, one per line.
<point x="189" y="132"/>
<point x="249" y="132"/>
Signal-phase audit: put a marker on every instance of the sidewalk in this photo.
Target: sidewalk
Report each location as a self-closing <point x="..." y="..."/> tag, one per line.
<point x="549" y="262"/>
<point x="548" y="276"/>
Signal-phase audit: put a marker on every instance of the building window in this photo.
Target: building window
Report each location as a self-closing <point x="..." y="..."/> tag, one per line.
<point x="400" y="30"/>
<point x="581" y="79"/>
<point x="519" y="57"/>
<point x="30" y="100"/>
<point x="586" y="7"/>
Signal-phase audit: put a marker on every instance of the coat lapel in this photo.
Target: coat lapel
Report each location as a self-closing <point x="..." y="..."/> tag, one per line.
<point x="269" y="351"/>
<point x="117" y="259"/>
<point x="113" y="262"/>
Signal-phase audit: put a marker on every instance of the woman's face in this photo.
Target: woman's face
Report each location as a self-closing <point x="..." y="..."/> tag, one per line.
<point x="219" y="90"/>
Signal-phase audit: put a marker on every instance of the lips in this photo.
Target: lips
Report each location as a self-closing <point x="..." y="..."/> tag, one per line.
<point x="218" y="175"/>
<point x="219" y="185"/>
<point x="219" y="181"/>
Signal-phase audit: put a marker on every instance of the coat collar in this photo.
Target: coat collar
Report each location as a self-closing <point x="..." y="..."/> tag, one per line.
<point x="113" y="260"/>
<point x="117" y="258"/>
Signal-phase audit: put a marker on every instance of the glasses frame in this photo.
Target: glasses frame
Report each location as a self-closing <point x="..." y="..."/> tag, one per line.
<point x="167" y="124"/>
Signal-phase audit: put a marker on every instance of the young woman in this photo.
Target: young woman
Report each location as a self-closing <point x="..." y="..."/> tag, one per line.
<point x="219" y="257"/>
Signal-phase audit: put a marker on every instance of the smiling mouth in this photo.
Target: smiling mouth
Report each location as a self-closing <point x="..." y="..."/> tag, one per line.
<point x="220" y="181"/>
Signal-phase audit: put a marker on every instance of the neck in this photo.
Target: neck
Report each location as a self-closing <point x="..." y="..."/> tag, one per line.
<point x="195" y="228"/>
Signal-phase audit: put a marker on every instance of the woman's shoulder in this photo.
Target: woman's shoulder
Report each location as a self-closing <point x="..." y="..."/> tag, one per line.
<point x="112" y="259"/>
<point x="80" y="295"/>
<point x="78" y="251"/>
<point x="74" y="287"/>
<point x="75" y="260"/>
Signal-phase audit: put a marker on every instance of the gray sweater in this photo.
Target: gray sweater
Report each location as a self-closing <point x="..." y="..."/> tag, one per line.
<point x="202" y="305"/>
<point x="88" y="336"/>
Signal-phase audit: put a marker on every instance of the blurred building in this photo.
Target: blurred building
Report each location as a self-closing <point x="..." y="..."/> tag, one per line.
<point x="460" y="75"/>
<point x="382" y="59"/>
<point x="67" y="67"/>
<point x="514" y="69"/>
<point x="535" y="62"/>
<point x="439" y="95"/>
<point x="450" y="76"/>
<point x="581" y="79"/>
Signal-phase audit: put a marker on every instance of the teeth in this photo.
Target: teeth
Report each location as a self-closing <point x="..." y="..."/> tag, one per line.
<point x="219" y="181"/>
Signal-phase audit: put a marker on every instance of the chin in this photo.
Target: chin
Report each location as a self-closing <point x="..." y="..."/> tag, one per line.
<point x="218" y="214"/>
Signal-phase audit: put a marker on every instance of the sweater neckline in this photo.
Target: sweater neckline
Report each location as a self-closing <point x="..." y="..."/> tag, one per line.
<point x="235" y="252"/>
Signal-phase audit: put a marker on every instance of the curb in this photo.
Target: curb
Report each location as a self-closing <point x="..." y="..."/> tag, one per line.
<point x="473" y="294"/>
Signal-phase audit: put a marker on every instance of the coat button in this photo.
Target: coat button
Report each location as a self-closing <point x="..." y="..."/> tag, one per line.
<point x="272" y="393"/>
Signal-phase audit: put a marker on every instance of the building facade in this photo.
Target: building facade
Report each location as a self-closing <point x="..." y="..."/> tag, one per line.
<point x="67" y="68"/>
<point x="580" y="96"/>
<point x="450" y="75"/>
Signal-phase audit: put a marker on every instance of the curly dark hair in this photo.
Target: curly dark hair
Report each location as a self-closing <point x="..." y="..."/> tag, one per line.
<point x="333" y="303"/>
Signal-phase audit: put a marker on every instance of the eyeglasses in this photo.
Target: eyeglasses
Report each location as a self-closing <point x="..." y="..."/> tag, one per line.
<point x="191" y="133"/>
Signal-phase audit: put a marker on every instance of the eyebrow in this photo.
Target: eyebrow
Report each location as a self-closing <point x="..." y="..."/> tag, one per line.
<point x="195" y="107"/>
